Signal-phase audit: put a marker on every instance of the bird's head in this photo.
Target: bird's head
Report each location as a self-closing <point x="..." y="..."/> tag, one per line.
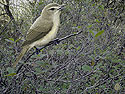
<point x="52" y="9"/>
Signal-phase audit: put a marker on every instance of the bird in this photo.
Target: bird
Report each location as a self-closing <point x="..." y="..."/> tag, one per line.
<point x="43" y="30"/>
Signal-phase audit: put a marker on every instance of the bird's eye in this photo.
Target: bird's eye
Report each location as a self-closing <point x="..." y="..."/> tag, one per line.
<point x="52" y="9"/>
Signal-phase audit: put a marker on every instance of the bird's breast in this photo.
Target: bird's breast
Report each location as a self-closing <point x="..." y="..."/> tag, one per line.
<point x="49" y="37"/>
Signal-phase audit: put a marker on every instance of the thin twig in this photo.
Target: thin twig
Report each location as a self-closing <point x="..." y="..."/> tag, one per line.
<point x="53" y="42"/>
<point x="6" y="26"/>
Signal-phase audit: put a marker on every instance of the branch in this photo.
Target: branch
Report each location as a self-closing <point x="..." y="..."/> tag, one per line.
<point x="5" y="26"/>
<point x="51" y="43"/>
<point x="54" y="42"/>
<point x="8" y="12"/>
<point x="6" y="7"/>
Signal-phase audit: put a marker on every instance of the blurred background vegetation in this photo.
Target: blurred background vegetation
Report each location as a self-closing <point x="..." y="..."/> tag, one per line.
<point x="91" y="62"/>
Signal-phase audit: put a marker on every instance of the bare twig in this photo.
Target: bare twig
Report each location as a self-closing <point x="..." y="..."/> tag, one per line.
<point x="8" y="12"/>
<point x="6" y="26"/>
<point x="56" y="41"/>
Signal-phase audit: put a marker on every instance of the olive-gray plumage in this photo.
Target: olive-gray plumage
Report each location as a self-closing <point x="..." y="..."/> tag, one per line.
<point x="43" y="30"/>
<point x="40" y="29"/>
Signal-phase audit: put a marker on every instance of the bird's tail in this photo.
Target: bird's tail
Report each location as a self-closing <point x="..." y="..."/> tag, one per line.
<point x="24" y="50"/>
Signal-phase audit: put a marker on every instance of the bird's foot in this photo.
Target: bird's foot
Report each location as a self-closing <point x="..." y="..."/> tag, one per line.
<point x="56" y="41"/>
<point x="37" y="50"/>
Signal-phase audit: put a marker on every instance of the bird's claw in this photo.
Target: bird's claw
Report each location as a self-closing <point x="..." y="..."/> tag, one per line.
<point x="37" y="50"/>
<point x="56" y="41"/>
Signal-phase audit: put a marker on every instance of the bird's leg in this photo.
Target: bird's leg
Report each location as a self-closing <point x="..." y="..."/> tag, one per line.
<point x="37" y="50"/>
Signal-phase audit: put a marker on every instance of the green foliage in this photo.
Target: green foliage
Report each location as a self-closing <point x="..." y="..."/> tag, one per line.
<point x="91" y="62"/>
<point x="99" y="33"/>
<point x="11" y="40"/>
<point x="86" y="68"/>
<point x="11" y="72"/>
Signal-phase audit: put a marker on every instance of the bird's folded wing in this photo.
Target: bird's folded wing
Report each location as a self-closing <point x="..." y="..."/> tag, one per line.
<point x="37" y="31"/>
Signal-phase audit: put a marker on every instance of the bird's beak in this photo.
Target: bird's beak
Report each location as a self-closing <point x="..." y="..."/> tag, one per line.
<point x="62" y="7"/>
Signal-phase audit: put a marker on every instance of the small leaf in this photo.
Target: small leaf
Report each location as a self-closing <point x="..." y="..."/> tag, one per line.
<point x="97" y="21"/>
<point x="38" y="70"/>
<point x="92" y="63"/>
<point x="99" y="33"/>
<point x="40" y="3"/>
<point x="93" y="4"/>
<point x="89" y="26"/>
<point x="116" y="60"/>
<point x="39" y="62"/>
<point x="65" y="85"/>
<point x="10" y="70"/>
<point x="41" y="88"/>
<point x="18" y="40"/>
<point x="86" y="68"/>
<point x="117" y="86"/>
<point x="78" y="47"/>
<point x="101" y="7"/>
<point x="42" y="55"/>
<point x="98" y="65"/>
<point x="91" y="32"/>
<point x="35" y="56"/>
<point x="59" y="52"/>
<point x="74" y="25"/>
<point x="11" y="39"/>
<point x="11" y="74"/>
<point x="79" y="27"/>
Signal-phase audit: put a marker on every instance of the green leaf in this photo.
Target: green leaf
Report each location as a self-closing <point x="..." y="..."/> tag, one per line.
<point x="40" y="3"/>
<point x="11" y="39"/>
<point x="41" y="88"/>
<point x="74" y="25"/>
<point x="42" y="55"/>
<point x="10" y="70"/>
<point x="79" y="27"/>
<point x="101" y="7"/>
<point x="38" y="70"/>
<point x="86" y="68"/>
<point x="93" y="4"/>
<point x="97" y="21"/>
<point x="65" y="85"/>
<point x="60" y="52"/>
<point x="40" y="62"/>
<point x="39" y="55"/>
<point x="116" y="60"/>
<point x="117" y="86"/>
<point x="91" y="32"/>
<point x="89" y="26"/>
<point x="78" y="47"/>
<point x="11" y="74"/>
<point x="17" y="40"/>
<point x="98" y="65"/>
<point x="99" y="33"/>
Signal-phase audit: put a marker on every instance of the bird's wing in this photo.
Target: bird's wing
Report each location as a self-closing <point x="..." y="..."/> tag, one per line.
<point x="37" y="31"/>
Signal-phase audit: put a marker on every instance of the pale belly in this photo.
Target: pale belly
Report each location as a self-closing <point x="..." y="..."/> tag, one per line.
<point x="45" y="40"/>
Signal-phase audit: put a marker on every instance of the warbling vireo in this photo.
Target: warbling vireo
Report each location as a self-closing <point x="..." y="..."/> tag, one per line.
<point x="43" y="30"/>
